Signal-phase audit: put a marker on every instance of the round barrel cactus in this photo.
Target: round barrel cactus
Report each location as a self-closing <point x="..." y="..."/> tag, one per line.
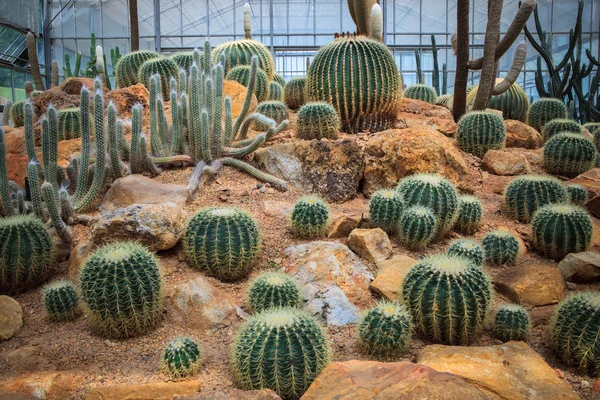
<point x="514" y="103"/>
<point x="470" y="212"/>
<point x="282" y="349"/>
<point x="275" y="91"/>
<point x="240" y="52"/>
<point x="385" y="209"/>
<point x="27" y="254"/>
<point x="182" y="358"/>
<point x="437" y="287"/>
<point x="272" y="290"/>
<point x="128" y="67"/>
<point x="385" y="330"/>
<point x="569" y="154"/>
<point x="469" y="249"/>
<point x="122" y="287"/>
<point x="165" y="68"/>
<point x="575" y="330"/>
<point x="241" y="74"/>
<point x="273" y="109"/>
<point x="317" y="120"/>
<point x="68" y="124"/>
<point x="594" y="129"/>
<point x="560" y="125"/>
<point x="61" y="301"/>
<point x="560" y="229"/>
<point x="445" y="100"/>
<point x="577" y="194"/>
<point x="501" y="247"/>
<point x="309" y="217"/>
<point x="421" y="92"/>
<point x="293" y="92"/>
<point x="184" y="60"/>
<point x="277" y="77"/>
<point x="17" y="113"/>
<point x="480" y="131"/>
<point x="545" y="110"/>
<point x="368" y="99"/>
<point x="222" y="242"/>
<point x="526" y="193"/>
<point x="416" y="227"/>
<point x="511" y="323"/>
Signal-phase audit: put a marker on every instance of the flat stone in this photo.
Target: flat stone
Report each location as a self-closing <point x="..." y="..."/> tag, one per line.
<point x="26" y="359"/>
<point x="531" y="284"/>
<point x="327" y="301"/>
<point x="371" y="244"/>
<point x="232" y="394"/>
<point x="11" y="317"/>
<point x="519" y="134"/>
<point x="151" y="391"/>
<point x="45" y="385"/>
<point x="277" y="209"/>
<point x="388" y="283"/>
<point x="505" y="162"/>
<point x="423" y="108"/>
<point x="342" y="226"/>
<point x="589" y="180"/>
<point x="581" y="267"/>
<point x="510" y="371"/>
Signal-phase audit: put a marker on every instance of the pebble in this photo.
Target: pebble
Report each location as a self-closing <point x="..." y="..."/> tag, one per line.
<point x="584" y="384"/>
<point x="559" y="373"/>
<point x="262" y="189"/>
<point x="571" y="286"/>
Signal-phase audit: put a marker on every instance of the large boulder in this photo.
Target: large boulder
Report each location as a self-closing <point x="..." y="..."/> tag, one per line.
<point x="581" y="267"/>
<point x="388" y="283"/>
<point x="138" y="189"/>
<point x="531" y="284"/>
<point x="505" y="162"/>
<point x="154" y="391"/>
<point x="591" y="181"/>
<point x="42" y="385"/>
<point x="331" y="169"/>
<point x="371" y="244"/>
<point x="11" y="317"/>
<point x="519" y="134"/>
<point x="237" y="93"/>
<point x="418" y="107"/>
<point x="125" y="98"/>
<point x="74" y="84"/>
<point x="357" y="380"/>
<point x="510" y="371"/>
<point x="16" y="155"/>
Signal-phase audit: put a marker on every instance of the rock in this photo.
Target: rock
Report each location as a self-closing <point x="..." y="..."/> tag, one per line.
<point x="67" y="148"/>
<point x="73" y="85"/>
<point x="423" y="108"/>
<point x="125" y="98"/>
<point x="494" y="111"/>
<point x="531" y="284"/>
<point x="157" y="226"/>
<point x="78" y="255"/>
<point x="57" y="98"/>
<point x="342" y="226"/>
<point x="388" y="283"/>
<point x="357" y="380"/>
<point x="542" y="315"/>
<point x="505" y="162"/>
<point x="232" y="394"/>
<point x="327" y="301"/>
<point x="331" y="169"/>
<point x="45" y="385"/>
<point x="535" y="158"/>
<point x="396" y="153"/>
<point x="16" y="156"/>
<point x="519" y="134"/>
<point x="445" y="126"/>
<point x="510" y="371"/>
<point x="277" y="209"/>
<point x="154" y="391"/>
<point x="581" y="267"/>
<point x="137" y="189"/>
<point x="26" y="358"/>
<point x="589" y="180"/>
<point x="237" y="93"/>
<point x="11" y="317"/>
<point x="197" y="304"/>
<point x="593" y="206"/>
<point x="371" y="244"/>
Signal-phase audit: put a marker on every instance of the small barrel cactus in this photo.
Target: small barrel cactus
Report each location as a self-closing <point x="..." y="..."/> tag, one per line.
<point x="17" y="113"/>
<point x="511" y="323"/>
<point x="275" y="91"/>
<point x="575" y="330"/>
<point x="165" y="68"/>
<point x="569" y="154"/>
<point x="293" y="92"/>
<point x="514" y="103"/>
<point x="309" y="217"/>
<point x="545" y="110"/>
<point x="128" y="67"/>
<point x="560" y="125"/>
<point x="277" y="77"/>
<point x="222" y="242"/>
<point x="578" y="195"/>
<point x="501" y="247"/>
<point x="273" y="109"/>
<point x="385" y="330"/>
<point x="68" y="124"/>
<point x="436" y="287"/>
<point x="282" y="349"/>
<point x="421" y="92"/>
<point x="27" y="254"/>
<point x="184" y="60"/>
<point x="470" y="212"/>
<point x="594" y="129"/>
<point x="61" y="301"/>
<point x="416" y="227"/>
<point x="241" y="74"/>
<point x="182" y="358"/>
<point x="272" y="290"/>
<point x="480" y="131"/>
<point x="445" y="100"/>
<point x="560" y="229"/>
<point x="122" y="286"/>
<point x="526" y="193"/>
<point x="385" y="209"/>
<point x="317" y="120"/>
<point x="469" y="249"/>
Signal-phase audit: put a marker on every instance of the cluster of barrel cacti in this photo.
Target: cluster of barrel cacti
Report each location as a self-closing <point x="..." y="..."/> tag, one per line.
<point x="514" y="103"/>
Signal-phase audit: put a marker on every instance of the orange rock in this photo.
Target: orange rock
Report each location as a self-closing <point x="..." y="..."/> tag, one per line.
<point x="519" y="134"/>
<point x="53" y="385"/>
<point x="237" y="93"/>
<point x="67" y="148"/>
<point x="423" y="108"/>
<point x="155" y="391"/>
<point x="532" y="284"/>
<point x="388" y="283"/>
<point x="73" y="85"/>
<point x="125" y="98"/>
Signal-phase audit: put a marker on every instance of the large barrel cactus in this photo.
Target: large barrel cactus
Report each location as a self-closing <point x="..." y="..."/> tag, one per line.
<point x="385" y="330"/>
<point x="416" y="227"/>
<point x="514" y="103"/>
<point x="470" y="211"/>
<point x="126" y="70"/>
<point x="469" y="249"/>
<point x="293" y="92"/>
<point x="545" y="110"/>
<point x="569" y="154"/>
<point x="17" y="113"/>
<point x="309" y="217"/>
<point x="68" y="124"/>
<point x="184" y="60"/>
<point x="385" y="208"/>
<point x="273" y="290"/>
<point x="274" y="109"/>
<point x="165" y="68"/>
<point x="241" y="74"/>
<point x="501" y="247"/>
<point x="525" y="194"/>
<point x="275" y="91"/>
<point x="480" y="131"/>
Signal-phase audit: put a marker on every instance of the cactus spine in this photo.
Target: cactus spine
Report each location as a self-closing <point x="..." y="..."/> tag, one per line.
<point x="480" y="131"/>
<point x="501" y="247"/>
<point x="545" y="110"/>
<point x="417" y="227"/>
<point x="309" y="217"/>
<point x="525" y="194"/>
<point x="470" y="212"/>
<point x="293" y="92"/>
<point x="273" y="290"/>
<point x="182" y="358"/>
<point x="578" y="195"/>
<point x="385" y="330"/>
<point x="556" y="126"/>
<point x="317" y="120"/>
<point x="385" y="209"/>
<point x="469" y="249"/>
<point x="511" y="323"/>
<point x="569" y="154"/>
<point x="61" y="301"/>
<point x="421" y="92"/>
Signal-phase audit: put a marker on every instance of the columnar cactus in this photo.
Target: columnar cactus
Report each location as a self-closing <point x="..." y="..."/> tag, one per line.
<point x="273" y="290"/>
<point x="61" y="301"/>
<point x="282" y="349"/>
<point x="293" y="92"/>
<point x="469" y="249"/>
<point x="514" y="103"/>
<point x="222" y="242"/>
<point x="241" y="74"/>
<point x="417" y="227"/>
<point x="511" y="323"/>
<point x="569" y="154"/>
<point x="275" y="110"/>
<point x="182" y="358"/>
<point x="385" y="209"/>
<point x="576" y="331"/>
<point x="317" y="120"/>
<point x="421" y="92"/>
<point x="560" y="125"/>
<point x="17" y="114"/>
<point x="6" y="113"/>
<point x="183" y="60"/>
<point x="68" y="124"/>
<point x="385" y="330"/>
<point x="309" y="217"/>
<point x="578" y="195"/>
<point x="480" y="131"/>
<point x="545" y="110"/>
<point x="439" y="285"/>
<point x="122" y="287"/>
<point x="470" y="212"/>
<point x="501" y="247"/>
<point x="275" y="91"/>
<point x="525" y="194"/>
<point x="164" y="67"/>
<point x="560" y="229"/>
<point x="128" y="67"/>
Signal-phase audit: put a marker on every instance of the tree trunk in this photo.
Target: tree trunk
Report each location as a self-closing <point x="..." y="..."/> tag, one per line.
<point x="134" y="27"/>
<point x="462" y="59"/>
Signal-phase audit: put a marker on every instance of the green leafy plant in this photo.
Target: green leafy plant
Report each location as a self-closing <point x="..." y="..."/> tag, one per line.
<point x="385" y="209"/>
<point x="470" y="212"/>
<point x="273" y="290"/>
<point x="569" y="154"/>
<point x="61" y="301"/>
<point x="511" y="323"/>
<point x="501" y="247"/>
<point x="469" y="249"/>
<point x="182" y="358"/>
<point x="317" y="120"/>
<point x="480" y="131"/>
<point x="526" y="193"/>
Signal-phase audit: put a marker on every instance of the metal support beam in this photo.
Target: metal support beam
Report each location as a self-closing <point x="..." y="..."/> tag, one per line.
<point x="157" y="43"/>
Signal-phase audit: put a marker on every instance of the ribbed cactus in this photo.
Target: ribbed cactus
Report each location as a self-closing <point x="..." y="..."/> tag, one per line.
<point x="501" y="247"/>
<point x="17" y="114"/>
<point x="279" y="79"/>
<point x="560" y="229"/>
<point x="594" y="129"/>
<point x="184" y="60"/>
<point x="182" y="358"/>
<point x="282" y="349"/>
<point x="480" y="131"/>
<point x="385" y="209"/>
<point x="575" y="330"/>
<point x="293" y="92"/>
<point x="525" y="194"/>
<point x="5" y="197"/>
<point x="569" y="154"/>
<point x="222" y="242"/>
<point x="469" y="249"/>
<point x="275" y="91"/>
<point x="273" y="290"/>
<point x="68" y="124"/>
<point x="445" y="100"/>
<point x="470" y="212"/>
<point x="433" y="191"/>
<point x="275" y="110"/>
<point x="27" y="254"/>
<point x="578" y="195"/>
<point x="511" y="323"/>
<point x="421" y="92"/>
<point x="32" y="57"/>
<point x="385" y="330"/>
<point x="128" y="67"/>
<point x="164" y="67"/>
<point x="241" y="74"/>
<point x="122" y="287"/>
<point x="436" y="287"/>
<point x="556" y="126"/>
<point x="309" y="217"/>
<point x="61" y="301"/>
<point x="514" y="103"/>
<point x="6" y="113"/>
<point x="317" y="120"/>
<point x="545" y="110"/>
<point x="416" y="227"/>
